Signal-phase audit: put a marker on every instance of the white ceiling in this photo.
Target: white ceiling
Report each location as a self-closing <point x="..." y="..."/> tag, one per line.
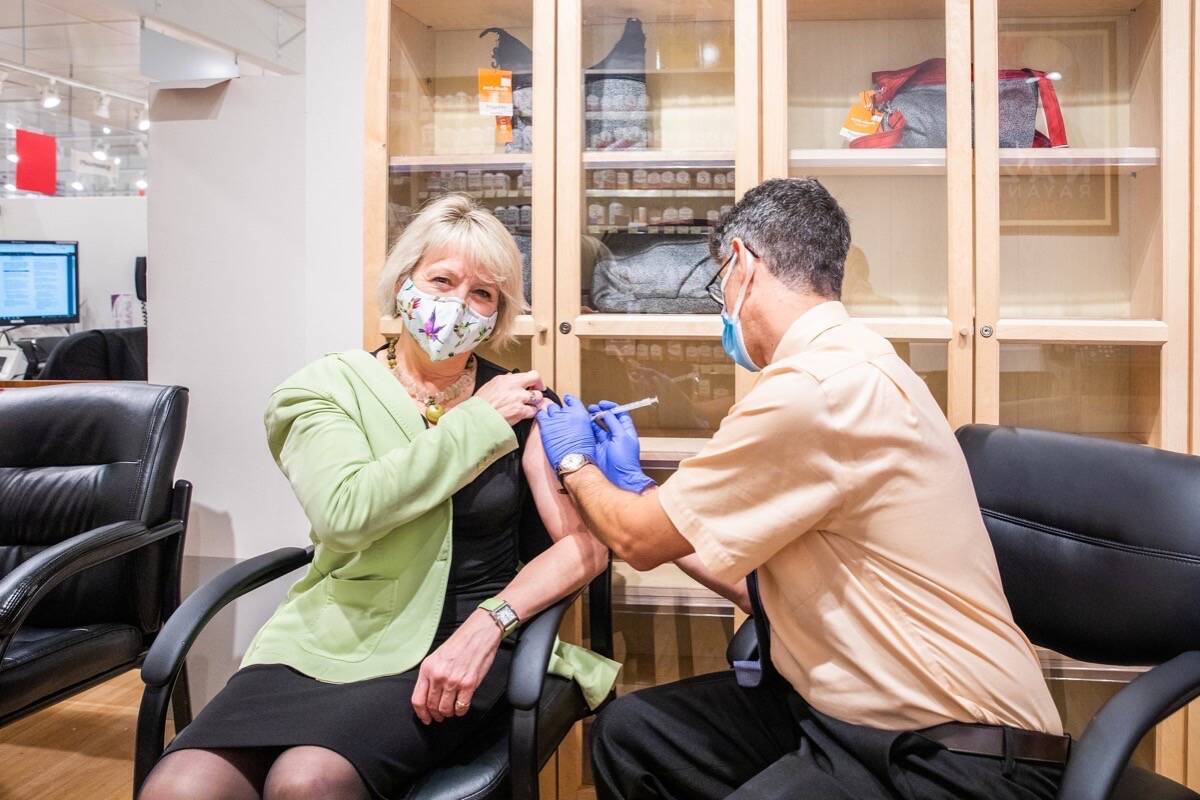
<point x="91" y="41"/>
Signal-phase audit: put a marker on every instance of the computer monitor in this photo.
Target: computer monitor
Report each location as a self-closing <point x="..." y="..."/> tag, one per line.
<point x="39" y="282"/>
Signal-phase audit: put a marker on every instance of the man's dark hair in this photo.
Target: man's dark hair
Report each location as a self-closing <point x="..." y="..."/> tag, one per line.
<point x="796" y="227"/>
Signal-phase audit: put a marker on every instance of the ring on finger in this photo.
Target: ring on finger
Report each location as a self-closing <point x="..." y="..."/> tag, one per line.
<point x="459" y="704"/>
<point x="533" y="397"/>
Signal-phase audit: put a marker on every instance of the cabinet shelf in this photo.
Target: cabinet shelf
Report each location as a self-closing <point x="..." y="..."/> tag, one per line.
<point x="463" y="161"/>
<point x="481" y="195"/>
<point x="1083" y="331"/>
<point x="680" y="159"/>
<point x="1069" y="159"/>
<point x="932" y="161"/>
<point x="634" y="193"/>
<point x="649" y="326"/>
<point x="673" y="230"/>
<point x="661" y="452"/>
<point x="892" y="161"/>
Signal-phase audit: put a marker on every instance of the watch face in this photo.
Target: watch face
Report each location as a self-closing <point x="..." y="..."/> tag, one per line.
<point x="573" y="461"/>
<point x="506" y="616"/>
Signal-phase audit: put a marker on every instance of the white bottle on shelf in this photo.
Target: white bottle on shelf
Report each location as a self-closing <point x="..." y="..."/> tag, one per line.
<point x="682" y="179"/>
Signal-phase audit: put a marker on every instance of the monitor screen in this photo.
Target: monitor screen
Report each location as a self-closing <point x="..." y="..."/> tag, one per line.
<point x="39" y="282"/>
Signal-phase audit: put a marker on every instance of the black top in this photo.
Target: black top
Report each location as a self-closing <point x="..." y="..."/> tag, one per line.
<point x="496" y="525"/>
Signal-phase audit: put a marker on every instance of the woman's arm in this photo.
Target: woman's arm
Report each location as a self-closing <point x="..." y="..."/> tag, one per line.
<point x="449" y="676"/>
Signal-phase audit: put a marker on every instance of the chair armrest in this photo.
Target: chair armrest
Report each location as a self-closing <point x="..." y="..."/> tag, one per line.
<point x="744" y="644"/>
<point x="1098" y="759"/>
<point x="600" y="626"/>
<point x="175" y="639"/>
<point x="33" y="578"/>
<point x="527" y="674"/>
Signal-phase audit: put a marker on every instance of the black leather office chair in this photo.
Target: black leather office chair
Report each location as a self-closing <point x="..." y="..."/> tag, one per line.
<point x="117" y="354"/>
<point x="91" y="535"/>
<point x="502" y="766"/>
<point x="1098" y="544"/>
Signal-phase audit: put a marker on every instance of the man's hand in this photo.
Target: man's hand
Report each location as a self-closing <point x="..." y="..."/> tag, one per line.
<point x="618" y="452"/>
<point x="450" y="675"/>
<point x="565" y="430"/>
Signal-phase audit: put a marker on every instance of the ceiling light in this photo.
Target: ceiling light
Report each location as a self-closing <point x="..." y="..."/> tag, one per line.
<point x="13" y="157"/>
<point x="141" y="184"/>
<point x="107" y="130"/>
<point x="101" y="152"/>
<point x="77" y="186"/>
<point x="143" y="120"/>
<point x="50" y="96"/>
<point x="117" y="160"/>
<point x="102" y="106"/>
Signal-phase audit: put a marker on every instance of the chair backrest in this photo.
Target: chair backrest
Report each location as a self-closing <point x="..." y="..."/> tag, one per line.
<point x="118" y="354"/>
<point x="1098" y="541"/>
<point x="77" y="456"/>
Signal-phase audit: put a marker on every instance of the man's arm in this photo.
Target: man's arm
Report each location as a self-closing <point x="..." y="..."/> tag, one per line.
<point x="736" y="593"/>
<point x="633" y="526"/>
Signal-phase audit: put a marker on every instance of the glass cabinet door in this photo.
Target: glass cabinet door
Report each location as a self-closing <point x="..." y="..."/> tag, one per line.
<point x="471" y="109"/>
<point x="874" y="103"/>
<point x="648" y="162"/>
<point x="1082" y="261"/>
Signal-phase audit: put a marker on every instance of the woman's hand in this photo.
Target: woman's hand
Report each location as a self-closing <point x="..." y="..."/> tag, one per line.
<point x="517" y="396"/>
<point x="450" y="675"/>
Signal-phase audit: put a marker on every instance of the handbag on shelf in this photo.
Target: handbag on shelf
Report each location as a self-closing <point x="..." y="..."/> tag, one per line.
<point x="646" y="274"/>
<point x="912" y="104"/>
<point x="511" y="54"/>
<point x="616" y="103"/>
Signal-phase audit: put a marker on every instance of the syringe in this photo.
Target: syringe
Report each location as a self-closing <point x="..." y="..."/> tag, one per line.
<point x="636" y="404"/>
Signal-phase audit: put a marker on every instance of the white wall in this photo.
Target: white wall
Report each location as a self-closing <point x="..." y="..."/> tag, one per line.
<point x="111" y="232"/>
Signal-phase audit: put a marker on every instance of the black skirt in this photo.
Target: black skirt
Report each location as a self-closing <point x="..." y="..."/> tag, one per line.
<point x="369" y="723"/>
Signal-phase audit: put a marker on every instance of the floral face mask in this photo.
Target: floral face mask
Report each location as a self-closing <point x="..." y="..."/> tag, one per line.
<point x="444" y="327"/>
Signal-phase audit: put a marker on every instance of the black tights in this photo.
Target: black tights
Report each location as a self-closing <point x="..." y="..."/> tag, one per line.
<point x="251" y="773"/>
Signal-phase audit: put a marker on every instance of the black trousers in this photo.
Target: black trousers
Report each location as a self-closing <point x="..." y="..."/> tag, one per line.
<point x="706" y="737"/>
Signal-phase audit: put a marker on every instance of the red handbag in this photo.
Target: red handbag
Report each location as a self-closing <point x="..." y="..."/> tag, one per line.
<point x="912" y="103"/>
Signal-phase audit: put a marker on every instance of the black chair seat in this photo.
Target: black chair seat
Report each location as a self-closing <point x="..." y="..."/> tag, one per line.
<point x="481" y="772"/>
<point x="47" y="662"/>
<point x="1139" y="784"/>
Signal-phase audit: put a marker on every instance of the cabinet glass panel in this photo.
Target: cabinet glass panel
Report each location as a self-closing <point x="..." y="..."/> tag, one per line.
<point x="1080" y="189"/>
<point x="880" y="152"/>
<point x="693" y="380"/>
<point x="658" y="137"/>
<point x="1110" y="391"/>
<point x="454" y="125"/>
<point x="929" y="360"/>
<point x="518" y="356"/>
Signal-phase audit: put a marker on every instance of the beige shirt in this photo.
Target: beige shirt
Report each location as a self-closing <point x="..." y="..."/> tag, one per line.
<point x="839" y="479"/>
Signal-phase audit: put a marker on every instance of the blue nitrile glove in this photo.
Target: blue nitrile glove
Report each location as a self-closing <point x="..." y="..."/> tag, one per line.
<point x="566" y="429"/>
<point x="618" y="452"/>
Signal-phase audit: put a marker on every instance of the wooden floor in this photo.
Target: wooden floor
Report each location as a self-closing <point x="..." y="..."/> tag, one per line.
<point x="79" y="749"/>
<point x="82" y="748"/>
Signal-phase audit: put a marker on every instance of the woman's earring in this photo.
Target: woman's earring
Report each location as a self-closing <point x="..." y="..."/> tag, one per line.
<point x="391" y="352"/>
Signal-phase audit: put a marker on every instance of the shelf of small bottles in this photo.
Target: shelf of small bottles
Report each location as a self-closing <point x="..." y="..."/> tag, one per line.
<point x="687" y="230"/>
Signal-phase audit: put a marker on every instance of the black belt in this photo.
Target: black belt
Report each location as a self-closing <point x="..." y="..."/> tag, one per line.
<point x="1000" y="742"/>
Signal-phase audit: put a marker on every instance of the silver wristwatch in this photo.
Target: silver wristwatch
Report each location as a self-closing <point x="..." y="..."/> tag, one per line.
<point x="572" y="462"/>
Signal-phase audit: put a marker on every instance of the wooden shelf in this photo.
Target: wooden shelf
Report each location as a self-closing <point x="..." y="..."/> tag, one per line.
<point x="1046" y="160"/>
<point x="911" y="329"/>
<point x="1083" y="331"/>
<point x="936" y="9"/>
<point x="481" y="195"/>
<point x="635" y="193"/>
<point x="673" y="230"/>
<point x="660" y="452"/>
<point x="853" y="161"/>
<point x="460" y="161"/>
<point x="649" y="326"/>
<point x="1056" y="667"/>
<point x="682" y="159"/>
<point x="665" y="589"/>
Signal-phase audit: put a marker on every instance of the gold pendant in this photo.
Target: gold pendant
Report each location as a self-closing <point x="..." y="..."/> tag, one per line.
<point x="434" y="412"/>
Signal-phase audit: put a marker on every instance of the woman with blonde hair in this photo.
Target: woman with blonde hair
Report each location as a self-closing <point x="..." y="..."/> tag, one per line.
<point x="418" y="467"/>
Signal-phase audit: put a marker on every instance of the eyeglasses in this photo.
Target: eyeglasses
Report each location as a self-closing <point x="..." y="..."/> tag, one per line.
<point x="714" y="286"/>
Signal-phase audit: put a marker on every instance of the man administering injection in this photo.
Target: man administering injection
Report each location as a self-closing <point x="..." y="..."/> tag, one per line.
<point x="835" y="506"/>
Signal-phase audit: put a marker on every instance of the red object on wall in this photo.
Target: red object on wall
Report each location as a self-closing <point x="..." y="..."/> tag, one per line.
<point x="37" y="162"/>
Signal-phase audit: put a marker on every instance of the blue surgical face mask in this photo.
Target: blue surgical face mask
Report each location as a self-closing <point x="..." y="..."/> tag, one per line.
<point x="732" y="340"/>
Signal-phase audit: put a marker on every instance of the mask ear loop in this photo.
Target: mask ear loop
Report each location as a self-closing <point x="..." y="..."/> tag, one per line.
<point x="737" y="307"/>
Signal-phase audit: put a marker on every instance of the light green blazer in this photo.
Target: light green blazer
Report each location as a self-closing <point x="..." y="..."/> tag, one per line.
<point x="376" y="485"/>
